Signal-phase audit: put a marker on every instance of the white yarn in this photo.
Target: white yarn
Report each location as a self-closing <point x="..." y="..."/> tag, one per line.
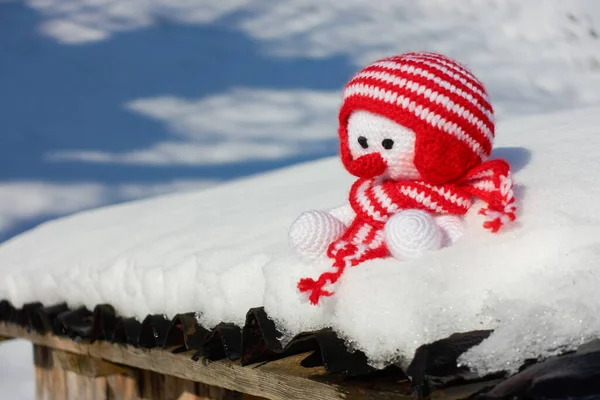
<point x="344" y="213"/>
<point x="375" y="129"/>
<point x="313" y="231"/>
<point x="411" y="233"/>
<point x="452" y="227"/>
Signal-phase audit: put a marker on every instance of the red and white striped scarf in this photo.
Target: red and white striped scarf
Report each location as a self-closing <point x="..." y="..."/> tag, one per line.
<point x="375" y="201"/>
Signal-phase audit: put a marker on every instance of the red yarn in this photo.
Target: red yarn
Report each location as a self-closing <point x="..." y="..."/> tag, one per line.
<point x="367" y="166"/>
<point x="364" y="240"/>
<point x="437" y="98"/>
<point x="316" y="287"/>
<point x="449" y="111"/>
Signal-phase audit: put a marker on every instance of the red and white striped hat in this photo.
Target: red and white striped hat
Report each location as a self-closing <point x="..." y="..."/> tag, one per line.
<point x="440" y="100"/>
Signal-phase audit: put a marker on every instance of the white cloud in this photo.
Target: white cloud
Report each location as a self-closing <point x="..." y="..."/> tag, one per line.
<point x="533" y="56"/>
<point x="29" y="200"/>
<point x="83" y="21"/>
<point x="72" y="33"/>
<point x="182" y="153"/>
<point x="243" y="113"/>
<point x="239" y="125"/>
<point x="536" y="55"/>
<point x="23" y="200"/>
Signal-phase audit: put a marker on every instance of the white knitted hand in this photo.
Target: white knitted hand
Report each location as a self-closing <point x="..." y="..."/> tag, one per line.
<point x="344" y="213"/>
<point x="313" y="231"/>
<point x="452" y="227"/>
<point x="410" y="233"/>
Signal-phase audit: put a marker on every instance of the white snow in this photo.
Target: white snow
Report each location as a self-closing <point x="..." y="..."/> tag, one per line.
<point x="96" y="90"/>
<point x="16" y="370"/>
<point x="224" y="250"/>
<point x="28" y="199"/>
<point x="188" y="238"/>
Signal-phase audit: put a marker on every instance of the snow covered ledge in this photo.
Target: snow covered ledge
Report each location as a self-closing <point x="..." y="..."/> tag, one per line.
<point x="222" y="251"/>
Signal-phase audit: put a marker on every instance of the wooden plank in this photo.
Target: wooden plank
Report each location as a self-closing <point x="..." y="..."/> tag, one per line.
<point x="250" y="397"/>
<point x="151" y="385"/>
<point x="54" y="382"/>
<point x="206" y="392"/>
<point x="179" y="389"/>
<point x="85" y="387"/>
<point x="65" y="376"/>
<point x="50" y="382"/>
<point x="88" y="366"/>
<point x="156" y="386"/>
<point x="122" y="387"/>
<point x="278" y="380"/>
<point x="68" y="376"/>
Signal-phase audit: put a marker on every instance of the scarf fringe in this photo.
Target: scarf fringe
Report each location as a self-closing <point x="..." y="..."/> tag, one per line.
<point x="316" y="288"/>
<point x="505" y="212"/>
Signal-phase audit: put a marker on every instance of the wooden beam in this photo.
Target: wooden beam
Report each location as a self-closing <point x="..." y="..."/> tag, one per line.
<point x="283" y="379"/>
<point x="278" y="380"/>
<point x="155" y="386"/>
<point x="88" y="366"/>
<point x="67" y="376"/>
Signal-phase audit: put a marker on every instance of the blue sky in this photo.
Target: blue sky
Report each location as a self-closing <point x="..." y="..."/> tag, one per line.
<point x="64" y="98"/>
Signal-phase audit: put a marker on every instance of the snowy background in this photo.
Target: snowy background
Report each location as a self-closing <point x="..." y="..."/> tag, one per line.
<point x="110" y="100"/>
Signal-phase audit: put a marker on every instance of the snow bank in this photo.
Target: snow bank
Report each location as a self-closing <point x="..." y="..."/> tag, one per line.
<point x="22" y="200"/>
<point x="17" y="372"/>
<point x="200" y="251"/>
<point x="222" y="251"/>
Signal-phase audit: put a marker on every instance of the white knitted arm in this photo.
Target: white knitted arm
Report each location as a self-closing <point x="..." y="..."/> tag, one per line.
<point x="410" y="233"/>
<point x="344" y="213"/>
<point x="453" y="227"/>
<point x="311" y="234"/>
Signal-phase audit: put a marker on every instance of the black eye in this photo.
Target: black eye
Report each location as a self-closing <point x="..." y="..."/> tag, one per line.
<point x="363" y="142"/>
<point x="387" y="143"/>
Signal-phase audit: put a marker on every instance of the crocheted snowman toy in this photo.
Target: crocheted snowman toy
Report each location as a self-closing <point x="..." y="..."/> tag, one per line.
<point x="417" y="130"/>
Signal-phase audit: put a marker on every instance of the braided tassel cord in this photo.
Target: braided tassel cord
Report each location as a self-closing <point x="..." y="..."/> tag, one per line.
<point x="315" y="288"/>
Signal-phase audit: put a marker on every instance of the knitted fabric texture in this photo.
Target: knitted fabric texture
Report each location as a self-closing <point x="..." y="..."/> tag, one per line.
<point x="412" y="233"/>
<point x="449" y="111"/>
<point x="375" y="202"/>
<point x="435" y="97"/>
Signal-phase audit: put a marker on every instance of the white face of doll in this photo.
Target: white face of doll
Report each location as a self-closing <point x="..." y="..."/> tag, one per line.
<point x="372" y="133"/>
